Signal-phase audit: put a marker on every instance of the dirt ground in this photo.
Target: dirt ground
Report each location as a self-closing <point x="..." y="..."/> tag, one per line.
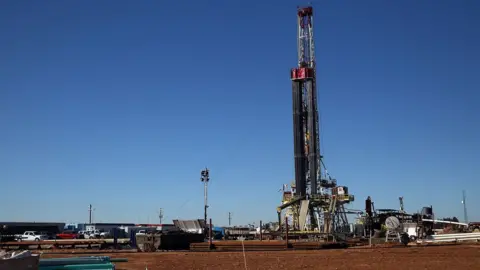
<point x="431" y="257"/>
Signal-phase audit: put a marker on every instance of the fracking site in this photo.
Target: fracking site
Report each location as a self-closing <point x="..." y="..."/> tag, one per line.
<point x="312" y="215"/>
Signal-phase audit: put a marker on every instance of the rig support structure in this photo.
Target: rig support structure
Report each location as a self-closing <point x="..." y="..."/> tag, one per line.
<point x="315" y="203"/>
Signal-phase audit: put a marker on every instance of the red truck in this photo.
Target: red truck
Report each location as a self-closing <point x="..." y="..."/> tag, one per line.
<point x="67" y="235"/>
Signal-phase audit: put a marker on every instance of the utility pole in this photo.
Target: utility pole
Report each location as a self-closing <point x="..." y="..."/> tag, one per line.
<point x="464" y="202"/>
<point x="205" y="177"/>
<point x="160" y="215"/>
<point x="90" y="213"/>
<point x="229" y="219"/>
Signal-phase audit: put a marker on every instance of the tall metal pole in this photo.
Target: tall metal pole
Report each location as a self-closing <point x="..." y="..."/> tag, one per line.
<point x="261" y="231"/>
<point x="206" y="199"/>
<point x="286" y="232"/>
<point x="90" y="210"/>
<point x="210" y="234"/>
<point x="205" y="177"/>
<point x="464" y="202"/>
<point x="229" y="219"/>
<point x="160" y="215"/>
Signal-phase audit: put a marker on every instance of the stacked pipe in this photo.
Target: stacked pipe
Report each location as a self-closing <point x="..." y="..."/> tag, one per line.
<point x="451" y="237"/>
<point x="92" y="262"/>
<point x="255" y="245"/>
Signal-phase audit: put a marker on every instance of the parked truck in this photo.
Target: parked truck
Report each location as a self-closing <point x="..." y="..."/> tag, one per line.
<point x="32" y="236"/>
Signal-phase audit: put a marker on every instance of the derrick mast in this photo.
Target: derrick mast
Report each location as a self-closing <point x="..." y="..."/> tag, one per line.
<point x="305" y="122"/>
<point x="315" y="202"/>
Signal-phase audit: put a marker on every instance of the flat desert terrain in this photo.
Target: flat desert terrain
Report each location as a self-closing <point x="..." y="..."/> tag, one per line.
<point x="431" y="257"/>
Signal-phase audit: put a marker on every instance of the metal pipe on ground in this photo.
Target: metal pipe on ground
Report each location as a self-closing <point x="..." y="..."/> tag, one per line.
<point x="451" y="237"/>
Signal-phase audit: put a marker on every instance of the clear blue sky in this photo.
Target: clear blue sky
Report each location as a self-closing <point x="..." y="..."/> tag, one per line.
<point x="121" y="103"/>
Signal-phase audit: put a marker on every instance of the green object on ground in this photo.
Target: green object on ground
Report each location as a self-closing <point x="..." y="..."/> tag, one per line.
<point x="74" y="260"/>
<point x="87" y="262"/>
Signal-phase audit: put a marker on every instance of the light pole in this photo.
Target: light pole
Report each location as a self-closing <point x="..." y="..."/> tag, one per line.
<point x="205" y="178"/>
<point x="90" y="214"/>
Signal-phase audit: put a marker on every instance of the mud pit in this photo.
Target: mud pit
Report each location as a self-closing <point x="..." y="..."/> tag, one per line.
<point x="433" y="257"/>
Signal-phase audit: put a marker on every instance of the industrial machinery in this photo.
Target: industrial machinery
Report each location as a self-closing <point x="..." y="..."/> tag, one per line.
<point x="396" y="224"/>
<point x="395" y="230"/>
<point x="189" y="231"/>
<point x="314" y="203"/>
<point x="424" y="221"/>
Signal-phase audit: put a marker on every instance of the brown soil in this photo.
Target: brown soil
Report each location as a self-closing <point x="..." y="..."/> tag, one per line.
<point x="431" y="257"/>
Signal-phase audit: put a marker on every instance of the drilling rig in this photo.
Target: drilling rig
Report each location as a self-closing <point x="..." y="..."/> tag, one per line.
<point x="315" y="203"/>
